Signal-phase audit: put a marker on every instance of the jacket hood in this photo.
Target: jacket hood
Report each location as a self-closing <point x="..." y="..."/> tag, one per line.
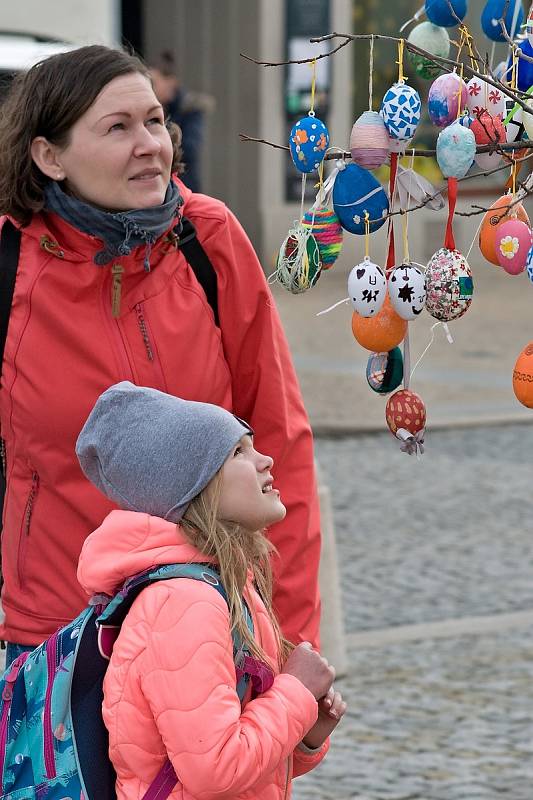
<point x="128" y="542"/>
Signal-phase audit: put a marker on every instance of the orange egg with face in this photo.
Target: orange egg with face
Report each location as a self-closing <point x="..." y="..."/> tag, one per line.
<point x="494" y="217"/>
<point x="380" y="333"/>
<point x="523" y="376"/>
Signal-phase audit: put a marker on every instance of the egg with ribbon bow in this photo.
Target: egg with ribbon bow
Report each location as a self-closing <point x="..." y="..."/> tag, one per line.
<point x="401" y="109"/>
<point x="308" y="142"/>
<point x="405" y="409"/>
<point x="449" y="285"/>
<point x="356" y="192"/>
<point x="407" y="291"/>
<point x="367" y="288"/>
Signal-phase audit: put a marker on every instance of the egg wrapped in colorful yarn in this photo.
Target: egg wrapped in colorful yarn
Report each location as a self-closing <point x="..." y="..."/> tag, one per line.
<point x="357" y="192"/>
<point x="407" y="291"/>
<point x="446" y="13"/>
<point x="308" y="142"/>
<point x="432" y="39"/>
<point x="405" y="410"/>
<point x="367" y="287"/>
<point x="444" y="96"/>
<point x="401" y="109"/>
<point x="495" y="216"/>
<point x="369" y="140"/>
<point x="449" y="285"/>
<point x="513" y="243"/>
<point x="481" y="96"/>
<point x="382" y="332"/>
<point x="298" y="265"/>
<point x="326" y="228"/>
<point x="493" y="12"/>
<point x="523" y="376"/>
<point x="456" y="148"/>
<point x="384" y="371"/>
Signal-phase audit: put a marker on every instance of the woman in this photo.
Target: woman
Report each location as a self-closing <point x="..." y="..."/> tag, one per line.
<point x="103" y="295"/>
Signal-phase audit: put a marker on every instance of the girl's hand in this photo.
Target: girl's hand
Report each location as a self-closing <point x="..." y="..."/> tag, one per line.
<point x="331" y="709"/>
<point x="311" y="669"/>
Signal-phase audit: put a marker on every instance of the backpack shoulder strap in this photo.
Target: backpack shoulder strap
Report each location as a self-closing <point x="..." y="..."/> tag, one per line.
<point x="9" y="259"/>
<point x="198" y="260"/>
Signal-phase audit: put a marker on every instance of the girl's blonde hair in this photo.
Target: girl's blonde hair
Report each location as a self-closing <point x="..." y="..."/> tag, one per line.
<point x="236" y="550"/>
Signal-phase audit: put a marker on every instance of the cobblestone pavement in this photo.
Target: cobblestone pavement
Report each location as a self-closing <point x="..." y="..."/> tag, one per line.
<point x="449" y="536"/>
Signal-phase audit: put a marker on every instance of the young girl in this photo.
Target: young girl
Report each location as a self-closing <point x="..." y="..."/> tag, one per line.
<point x="192" y="488"/>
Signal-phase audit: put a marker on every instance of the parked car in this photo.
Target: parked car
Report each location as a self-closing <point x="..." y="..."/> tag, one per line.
<point x="20" y="51"/>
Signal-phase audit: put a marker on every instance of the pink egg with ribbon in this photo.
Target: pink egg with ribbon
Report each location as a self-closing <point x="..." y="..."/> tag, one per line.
<point x="513" y="242"/>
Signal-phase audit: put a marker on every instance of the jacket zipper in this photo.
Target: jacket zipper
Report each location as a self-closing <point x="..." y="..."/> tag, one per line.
<point x="26" y="526"/>
<point x="144" y="331"/>
<point x="3" y="457"/>
<point x="151" y="351"/>
<point x="51" y="662"/>
<point x="108" y="285"/>
<point x="289" y="759"/>
<point x="7" y="698"/>
<point x="116" y="289"/>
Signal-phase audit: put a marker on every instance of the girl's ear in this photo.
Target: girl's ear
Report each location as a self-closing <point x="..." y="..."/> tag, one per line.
<point x="46" y="156"/>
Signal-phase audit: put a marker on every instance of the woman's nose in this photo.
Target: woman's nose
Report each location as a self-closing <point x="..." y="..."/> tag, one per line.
<point x="146" y="143"/>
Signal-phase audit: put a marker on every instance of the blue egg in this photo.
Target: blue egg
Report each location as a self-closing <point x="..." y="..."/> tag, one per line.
<point x="525" y="68"/>
<point x="493" y="12"/>
<point x="529" y="264"/>
<point x="308" y="143"/>
<point x="400" y="110"/>
<point x="355" y="192"/>
<point x="439" y="12"/>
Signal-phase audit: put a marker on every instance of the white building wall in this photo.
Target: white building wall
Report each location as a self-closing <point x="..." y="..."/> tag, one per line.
<point x="79" y="21"/>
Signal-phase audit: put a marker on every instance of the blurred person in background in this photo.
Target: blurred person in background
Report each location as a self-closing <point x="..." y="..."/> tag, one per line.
<point x="187" y="110"/>
<point x="103" y="293"/>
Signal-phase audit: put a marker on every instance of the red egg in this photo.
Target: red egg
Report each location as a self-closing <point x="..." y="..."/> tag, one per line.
<point x="405" y="409"/>
<point x="513" y="242"/>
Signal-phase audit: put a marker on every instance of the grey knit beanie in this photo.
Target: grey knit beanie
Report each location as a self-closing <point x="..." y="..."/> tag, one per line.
<point x="149" y="451"/>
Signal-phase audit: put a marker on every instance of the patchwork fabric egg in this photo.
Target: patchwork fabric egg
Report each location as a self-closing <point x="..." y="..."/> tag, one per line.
<point x="308" y="143"/>
<point x="369" y="140"/>
<point x="449" y="285"/>
<point x="327" y="230"/>
<point x="381" y="332"/>
<point x="481" y="96"/>
<point x="443" y="98"/>
<point x="405" y="409"/>
<point x="400" y="110"/>
<point x="446" y="13"/>
<point x="407" y="291"/>
<point x="384" y="371"/>
<point x="432" y="39"/>
<point x="356" y="192"/>
<point x="456" y="148"/>
<point x="525" y="68"/>
<point x="529" y="265"/>
<point x="493" y="12"/>
<point x="367" y="288"/>
<point x="494" y="217"/>
<point x="523" y="376"/>
<point x="513" y="243"/>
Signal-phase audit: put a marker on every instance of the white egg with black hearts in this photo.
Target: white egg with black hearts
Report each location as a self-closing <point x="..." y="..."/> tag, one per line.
<point x="407" y="291"/>
<point x="367" y="287"/>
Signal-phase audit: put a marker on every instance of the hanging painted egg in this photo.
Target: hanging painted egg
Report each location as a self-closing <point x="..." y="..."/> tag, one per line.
<point x="529" y="26"/>
<point x="400" y="110"/>
<point x="529" y="265"/>
<point x="513" y="243"/>
<point x="487" y="130"/>
<point x="493" y="12"/>
<point x="524" y="68"/>
<point x="449" y="285"/>
<point x="456" y="148"/>
<point x="327" y="230"/>
<point x="481" y="96"/>
<point x="367" y="287"/>
<point x="494" y="217"/>
<point x="405" y="410"/>
<point x="298" y="262"/>
<point x="369" y="140"/>
<point x="523" y="376"/>
<point x="384" y="371"/>
<point x="513" y="121"/>
<point x="433" y="40"/>
<point x="407" y="291"/>
<point x="382" y="332"/>
<point x="308" y="143"/>
<point x="443" y="98"/>
<point x="528" y="120"/>
<point x="446" y="13"/>
<point x="356" y="192"/>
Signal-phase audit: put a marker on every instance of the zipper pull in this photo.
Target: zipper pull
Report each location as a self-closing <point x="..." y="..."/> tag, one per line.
<point x="116" y="291"/>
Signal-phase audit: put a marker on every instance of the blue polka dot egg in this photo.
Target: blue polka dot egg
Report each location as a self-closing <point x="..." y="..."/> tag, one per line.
<point x="308" y="143"/>
<point x="400" y="109"/>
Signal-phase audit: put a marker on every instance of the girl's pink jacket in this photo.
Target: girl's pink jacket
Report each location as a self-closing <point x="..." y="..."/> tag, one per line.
<point x="170" y="685"/>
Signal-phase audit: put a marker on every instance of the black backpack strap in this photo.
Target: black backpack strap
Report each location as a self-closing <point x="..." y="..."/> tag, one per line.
<point x="9" y="259"/>
<point x="197" y="258"/>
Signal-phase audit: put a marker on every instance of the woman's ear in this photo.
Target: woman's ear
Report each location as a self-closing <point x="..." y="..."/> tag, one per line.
<point x="45" y="155"/>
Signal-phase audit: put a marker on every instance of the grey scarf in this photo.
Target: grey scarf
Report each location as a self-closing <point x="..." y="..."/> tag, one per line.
<point x="120" y="231"/>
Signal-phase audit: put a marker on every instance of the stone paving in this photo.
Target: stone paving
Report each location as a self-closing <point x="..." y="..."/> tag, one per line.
<point x="445" y="537"/>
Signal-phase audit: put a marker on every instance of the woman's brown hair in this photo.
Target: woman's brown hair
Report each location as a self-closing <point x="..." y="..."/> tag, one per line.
<point x="236" y="551"/>
<point x="47" y="101"/>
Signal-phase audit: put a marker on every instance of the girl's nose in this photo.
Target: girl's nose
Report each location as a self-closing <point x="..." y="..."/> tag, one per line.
<point x="264" y="462"/>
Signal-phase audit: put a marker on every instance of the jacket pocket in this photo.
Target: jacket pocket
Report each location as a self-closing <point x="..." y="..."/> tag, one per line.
<point x="25" y="527"/>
